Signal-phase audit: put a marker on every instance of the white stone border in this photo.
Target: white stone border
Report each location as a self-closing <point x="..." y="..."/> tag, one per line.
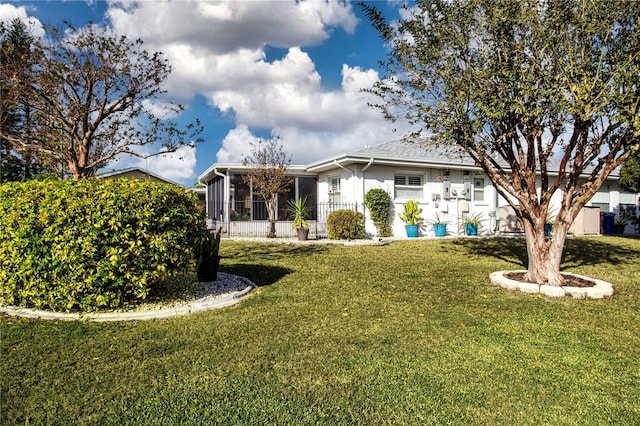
<point x="223" y="301"/>
<point x="600" y="290"/>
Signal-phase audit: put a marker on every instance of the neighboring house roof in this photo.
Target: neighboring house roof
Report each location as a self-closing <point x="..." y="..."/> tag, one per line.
<point x="134" y="173"/>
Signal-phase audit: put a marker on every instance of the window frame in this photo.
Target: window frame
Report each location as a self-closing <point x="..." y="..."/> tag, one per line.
<point x="408" y="185"/>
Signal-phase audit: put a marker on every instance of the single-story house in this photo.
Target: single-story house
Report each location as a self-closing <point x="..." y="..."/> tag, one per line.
<point x="443" y="181"/>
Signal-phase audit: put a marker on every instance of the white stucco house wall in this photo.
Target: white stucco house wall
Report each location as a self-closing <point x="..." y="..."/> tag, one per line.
<point x="446" y="183"/>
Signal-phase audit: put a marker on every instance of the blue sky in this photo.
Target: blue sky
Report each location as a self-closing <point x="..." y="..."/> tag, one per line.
<point x="248" y="69"/>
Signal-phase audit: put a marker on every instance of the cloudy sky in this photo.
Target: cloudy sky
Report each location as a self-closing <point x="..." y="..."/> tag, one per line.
<point x="295" y="69"/>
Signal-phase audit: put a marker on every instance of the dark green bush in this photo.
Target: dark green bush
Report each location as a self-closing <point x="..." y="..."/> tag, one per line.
<point x="378" y="201"/>
<point x="345" y="225"/>
<point x="93" y="243"/>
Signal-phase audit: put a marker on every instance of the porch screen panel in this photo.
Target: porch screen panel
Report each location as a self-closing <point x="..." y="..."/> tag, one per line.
<point x="283" y="199"/>
<point x="239" y="199"/>
<point x="308" y="188"/>
<point x="215" y="198"/>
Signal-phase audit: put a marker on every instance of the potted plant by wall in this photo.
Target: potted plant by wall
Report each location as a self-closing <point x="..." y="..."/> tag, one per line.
<point x="411" y="217"/>
<point x="548" y="224"/>
<point x="439" y="225"/>
<point x="208" y="257"/>
<point x="472" y="224"/>
<point x="299" y="215"/>
<point x="619" y="223"/>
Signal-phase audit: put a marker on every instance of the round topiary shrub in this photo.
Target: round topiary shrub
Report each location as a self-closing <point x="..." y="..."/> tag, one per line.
<point x="93" y="243"/>
<point x="345" y="225"/>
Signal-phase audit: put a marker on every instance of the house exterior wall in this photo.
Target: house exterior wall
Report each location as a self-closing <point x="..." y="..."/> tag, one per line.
<point x="450" y="193"/>
<point x="450" y="205"/>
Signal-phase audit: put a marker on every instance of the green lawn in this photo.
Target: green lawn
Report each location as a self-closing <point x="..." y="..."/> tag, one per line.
<point x="408" y="333"/>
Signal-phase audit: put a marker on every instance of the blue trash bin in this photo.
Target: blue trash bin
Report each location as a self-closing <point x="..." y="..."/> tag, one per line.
<point x="608" y="223"/>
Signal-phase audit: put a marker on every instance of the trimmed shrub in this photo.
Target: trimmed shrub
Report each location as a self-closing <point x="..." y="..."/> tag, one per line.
<point x="345" y="225"/>
<point x="93" y="243"/>
<point x="378" y="201"/>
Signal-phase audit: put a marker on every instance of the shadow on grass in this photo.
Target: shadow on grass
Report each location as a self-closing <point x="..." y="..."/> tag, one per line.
<point x="274" y="251"/>
<point x="577" y="252"/>
<point x="261" y="275"/>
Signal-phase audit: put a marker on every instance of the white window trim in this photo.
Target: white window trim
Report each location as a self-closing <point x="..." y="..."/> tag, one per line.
<point x="406" y="174"/>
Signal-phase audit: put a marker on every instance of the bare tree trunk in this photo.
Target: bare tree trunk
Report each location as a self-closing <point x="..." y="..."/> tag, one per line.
<point x="271" y="213"/>
<point x="544" y="253"/>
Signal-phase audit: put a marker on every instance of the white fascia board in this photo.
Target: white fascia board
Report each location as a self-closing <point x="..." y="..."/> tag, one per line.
<point x="237" y="167"/>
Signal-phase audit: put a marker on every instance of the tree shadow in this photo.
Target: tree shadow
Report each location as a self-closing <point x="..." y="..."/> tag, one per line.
<point x="273" y="251"/>
<point x="261" y="275"/>
<point x="577" y="252"/>
<point x="510" y="250"/>
<point x="582" y="252"/>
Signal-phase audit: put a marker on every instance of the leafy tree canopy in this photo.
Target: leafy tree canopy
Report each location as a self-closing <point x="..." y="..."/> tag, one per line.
<point x="543" y="95"/>
<point x="630" y="174"/>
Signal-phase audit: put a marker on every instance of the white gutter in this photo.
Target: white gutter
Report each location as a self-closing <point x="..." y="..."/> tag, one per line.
<point x="343" y="167"/>
<point x="369" y="164"/>
<point x="364" y="169"/>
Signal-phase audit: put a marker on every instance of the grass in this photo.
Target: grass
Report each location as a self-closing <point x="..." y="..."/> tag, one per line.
<point x="409" y="333"/>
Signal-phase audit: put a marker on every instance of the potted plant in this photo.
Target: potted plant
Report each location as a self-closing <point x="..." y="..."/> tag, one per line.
<point x="439" y="225"/>
<point x="298" y="210"/>
<point x="620" y="222"/>
<point x="208" y="257"/>
<point x="548" y="224"/>
<point x="411" y="217"/>
<point x="472" y="223"/>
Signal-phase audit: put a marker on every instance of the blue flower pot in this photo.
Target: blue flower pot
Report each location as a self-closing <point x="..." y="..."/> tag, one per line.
<point x="440" y="229"/>
<point x="547" y="229"/>
<point x="471" y="229"/>
<point x="412" y="231"/>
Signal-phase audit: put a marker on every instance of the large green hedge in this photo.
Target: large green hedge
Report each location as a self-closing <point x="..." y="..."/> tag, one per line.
<point x="85" y="245"/>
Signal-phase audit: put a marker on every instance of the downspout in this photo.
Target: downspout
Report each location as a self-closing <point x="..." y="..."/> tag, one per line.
<point x="349" y="170"/>
<point x="364" y="169"/>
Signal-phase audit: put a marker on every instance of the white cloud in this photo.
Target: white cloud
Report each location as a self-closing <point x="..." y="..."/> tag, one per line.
<point x="9" y="12"/>
<point x="236" y="145"/>
<point x="224" y="26"/>
<point x="218" y="49"/>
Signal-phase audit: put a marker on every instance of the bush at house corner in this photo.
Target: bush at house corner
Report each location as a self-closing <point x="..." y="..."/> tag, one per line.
<point x="93" y="243"/>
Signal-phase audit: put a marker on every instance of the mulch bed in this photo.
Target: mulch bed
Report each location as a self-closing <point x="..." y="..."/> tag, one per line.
<point x="569" y="280"/>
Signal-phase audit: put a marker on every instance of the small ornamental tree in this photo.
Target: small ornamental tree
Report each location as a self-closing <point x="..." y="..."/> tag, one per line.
<point x="543" y="96"/>
<point x="268" y="165"/>
<point x="378" y="201"/>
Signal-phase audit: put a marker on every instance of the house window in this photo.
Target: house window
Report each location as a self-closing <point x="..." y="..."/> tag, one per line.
<point x="334" y="189"/>
<point x="478" y="189"/>
<point x="409" y="187"/>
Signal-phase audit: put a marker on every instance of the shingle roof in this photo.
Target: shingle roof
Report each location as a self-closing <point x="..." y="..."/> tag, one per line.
<point x="418" y="150"/>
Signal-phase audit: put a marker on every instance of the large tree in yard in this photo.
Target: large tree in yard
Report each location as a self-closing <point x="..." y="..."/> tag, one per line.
<point x="17" y="61"/>
<point x="267" y="165"/>
<point x="93" y="96"/>
<point x="544" y="95"/>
